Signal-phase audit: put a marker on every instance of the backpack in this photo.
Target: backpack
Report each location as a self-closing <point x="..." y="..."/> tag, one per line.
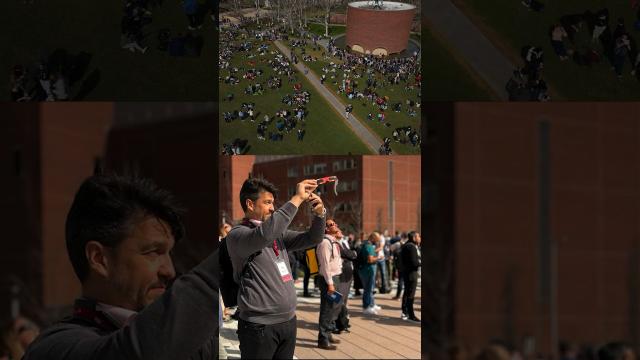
<point x="229" y="288"/>
<point x="312" y="259"/>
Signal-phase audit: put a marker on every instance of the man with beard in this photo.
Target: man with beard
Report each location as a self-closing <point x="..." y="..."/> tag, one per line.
<point x="258" y="248"/>
<point x="120" y="232"/>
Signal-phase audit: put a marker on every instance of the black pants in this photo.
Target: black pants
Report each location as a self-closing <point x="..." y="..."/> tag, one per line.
<point x="400" y="283"/>
<point x="307" y="275"/>
<point x="328" y="310"/>
<point x="193" y="20"/>
<point x="410" y="285"/>
<point x="259" y="341"/>
<point x="342" y="322"/>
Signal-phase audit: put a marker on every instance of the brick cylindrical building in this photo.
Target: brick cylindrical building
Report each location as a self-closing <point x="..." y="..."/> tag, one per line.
<point x="379" y="30"/>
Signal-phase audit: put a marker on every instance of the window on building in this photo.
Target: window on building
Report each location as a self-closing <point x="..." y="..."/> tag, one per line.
<point x="307" y="170"/>
<point x="291" y="190"/>
<point x="319" y="168"/>
<point x="292" y="172"/>
<point x="350" y="164"/>
<point x="345" y="164"/>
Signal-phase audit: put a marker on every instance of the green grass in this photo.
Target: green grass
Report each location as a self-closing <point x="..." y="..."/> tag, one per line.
<point x="396" y="93"/>
<point x="326" y="132"/>
<point x="94" y="27"/>
<point x="447" y="78"/>
<point x="517" y="27"/>
<point x="334" y="30"/>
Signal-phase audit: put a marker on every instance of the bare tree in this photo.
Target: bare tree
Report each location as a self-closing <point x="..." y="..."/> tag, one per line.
<point x="327" y="5"/>
<point x="257" y="3"/>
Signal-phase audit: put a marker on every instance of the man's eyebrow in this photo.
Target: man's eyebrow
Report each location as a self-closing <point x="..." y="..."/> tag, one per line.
<point x="154" y="244"/>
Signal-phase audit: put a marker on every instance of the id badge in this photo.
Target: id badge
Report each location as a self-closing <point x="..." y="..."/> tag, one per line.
<point x="284" y="272"/>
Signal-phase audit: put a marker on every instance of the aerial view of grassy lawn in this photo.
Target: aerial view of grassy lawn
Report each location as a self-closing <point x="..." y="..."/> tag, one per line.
<point x="446" y="78"/>
<point x="395" y="93"/>
<point x="92" y="29"/>
<point x="325" y="131"/>
<point x="516" y="26"/>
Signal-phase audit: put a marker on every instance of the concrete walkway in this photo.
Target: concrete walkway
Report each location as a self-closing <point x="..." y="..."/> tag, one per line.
<point x="372" y="140"/>
<point x="444" y="18"/>
<point x="394" y="338"/>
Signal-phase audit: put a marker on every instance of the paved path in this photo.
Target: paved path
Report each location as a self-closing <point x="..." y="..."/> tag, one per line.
<point x="384" y="336"/>
<point x="369" y="138"/>
<point x="465" y="38"/>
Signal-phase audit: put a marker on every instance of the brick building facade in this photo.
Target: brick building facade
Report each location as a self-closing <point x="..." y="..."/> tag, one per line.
<point x="537" y="220"/>
<point x="379" y="31"/>
<point x="374" y="192"/>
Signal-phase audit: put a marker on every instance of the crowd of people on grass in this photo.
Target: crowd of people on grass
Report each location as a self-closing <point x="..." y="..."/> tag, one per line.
<point x="360" y="78"/>
<point x="137" y="14"/>
<point x="291" y="116"/>
<point x="586" y="39"/>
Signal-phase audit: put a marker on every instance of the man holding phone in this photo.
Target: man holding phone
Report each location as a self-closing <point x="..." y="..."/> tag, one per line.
<point x="258" y="248"/>
<point x="329" y="268"/>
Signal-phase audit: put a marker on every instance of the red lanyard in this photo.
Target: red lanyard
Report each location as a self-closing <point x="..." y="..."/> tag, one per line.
<point x="275" y="248"/>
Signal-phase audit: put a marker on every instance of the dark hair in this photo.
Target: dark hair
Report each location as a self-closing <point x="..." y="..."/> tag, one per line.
<point x="411" y="235"/>
<point x="612" y="351"/>
<point x="252" y="188"/>
<point x="105" y="209"/>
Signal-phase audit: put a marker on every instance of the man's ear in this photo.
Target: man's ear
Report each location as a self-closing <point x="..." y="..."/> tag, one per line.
<point x="96" y="254"/>
<point x="250" y="205"/>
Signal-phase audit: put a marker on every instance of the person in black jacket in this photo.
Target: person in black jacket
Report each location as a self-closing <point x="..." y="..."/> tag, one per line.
<point x="410" y="266"/>
<point x="346" y="278"/>
<point x="119" y="235"/>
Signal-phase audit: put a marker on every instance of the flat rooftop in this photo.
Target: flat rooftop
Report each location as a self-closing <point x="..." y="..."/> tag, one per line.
<point x="386" y="5"/>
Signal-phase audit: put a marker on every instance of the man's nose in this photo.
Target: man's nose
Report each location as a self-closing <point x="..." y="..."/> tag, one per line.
<point x="166" y="269"/>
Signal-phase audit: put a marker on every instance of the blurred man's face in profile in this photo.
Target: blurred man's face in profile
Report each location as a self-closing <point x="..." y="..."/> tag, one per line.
<point x="140" y="267"/>
<point x="262" y="208"/>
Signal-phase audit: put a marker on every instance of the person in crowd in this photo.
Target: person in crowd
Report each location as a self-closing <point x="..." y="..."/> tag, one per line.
<point x="258" y="248"/>
<point x="410" y="265"/>
<point x="616" y="351"/>
<point x="346" y="277"/>
<point x="367" y="259"/>
<point x="329" y="269"/>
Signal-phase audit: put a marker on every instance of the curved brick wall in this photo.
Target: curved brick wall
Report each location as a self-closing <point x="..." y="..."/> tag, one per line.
<point x="372" y="29"/>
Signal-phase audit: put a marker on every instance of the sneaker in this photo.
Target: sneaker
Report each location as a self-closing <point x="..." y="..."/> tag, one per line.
<point x="370" y="311"/>
<point x="404" y="316"/>
<point x="377" y="308"/>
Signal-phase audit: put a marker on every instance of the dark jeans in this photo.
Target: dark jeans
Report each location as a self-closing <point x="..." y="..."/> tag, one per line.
<point x="343" y="317"/>
<point x="410" y="285"/>
<point x="307" y="275"/>
<point x="382" y="269"/>
<point x="328" y="310"/>
<point x="259" y="341"/>
<point x="400" y="283"/>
